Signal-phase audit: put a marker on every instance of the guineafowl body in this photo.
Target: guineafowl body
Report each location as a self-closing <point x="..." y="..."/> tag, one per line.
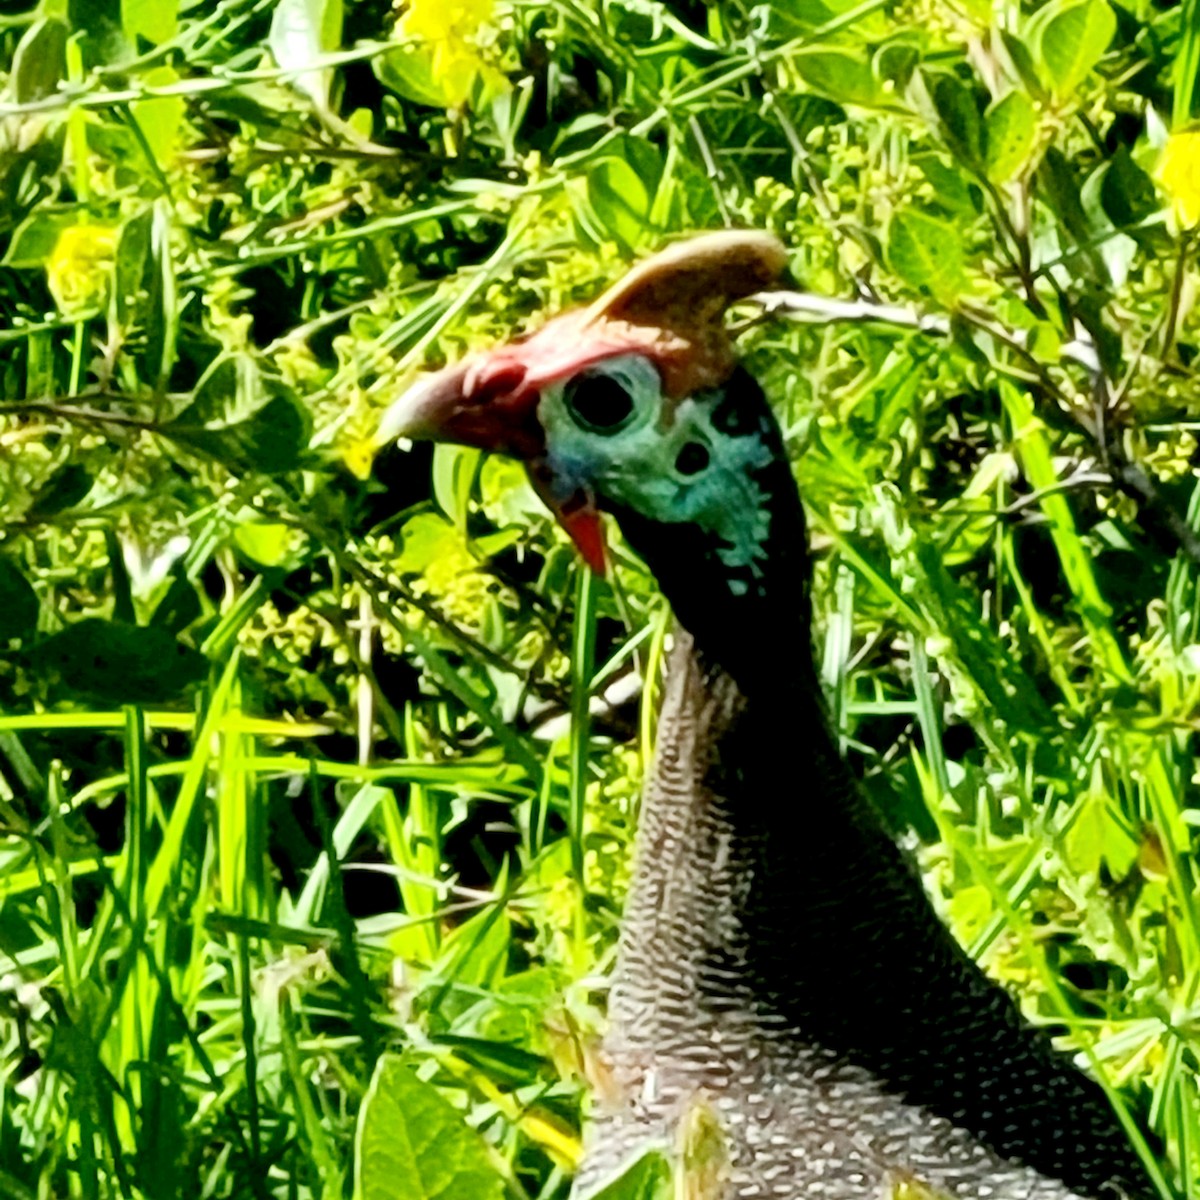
<point x="782" y="981"/>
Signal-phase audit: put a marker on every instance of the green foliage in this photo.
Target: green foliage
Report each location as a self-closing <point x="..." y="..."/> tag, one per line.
<point x="412" y="1143"/>
<point x="303" y="767"/>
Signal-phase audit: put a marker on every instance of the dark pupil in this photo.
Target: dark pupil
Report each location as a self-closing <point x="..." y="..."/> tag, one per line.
<point x="599" y="401"/>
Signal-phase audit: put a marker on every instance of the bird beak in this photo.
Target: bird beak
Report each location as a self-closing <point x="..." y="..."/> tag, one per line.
<point x="490" y="402"/>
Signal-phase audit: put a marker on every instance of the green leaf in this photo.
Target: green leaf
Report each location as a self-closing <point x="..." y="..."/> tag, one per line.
<point x="302" y="31"/>
<point x="1068" y="38"/>
<point x="927" y="253"/>
<point x="952" y="191"/>
<point x="153" y="20"/>
<point x="65" y="489"/>
<point x="409" y="73"/>
<point x="648" y="1178"/>
<point x="34" y="239"/>
<point x="1009" y="128"/>
<point x="844" y="77"/>
<point x="39" y="61"/>
<point x="270" y="543"/>
<point x="159" y="117"/>
<point x="162" y="307"/>
<point x="98" y="23"/>
<point x="454" y="469"/>
<point x="243" y="418"/>
<point x="412" y="1144"/>
<point x="895" y="61"/>
<point x="119" y="662"/>
<point x="1127" y="193"/>
<point x="1059" y="189"/>
<point x="18" y="603"/>
<point x="620" y="192"/>
<point x="1094" y="837"/>
<point x="271" y="440"/>
<point x="958" y="118"/>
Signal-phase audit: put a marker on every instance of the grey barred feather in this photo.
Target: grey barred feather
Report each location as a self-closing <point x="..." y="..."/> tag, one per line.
<point x="689" y="1027"/>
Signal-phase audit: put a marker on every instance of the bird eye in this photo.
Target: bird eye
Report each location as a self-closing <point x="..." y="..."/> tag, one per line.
<point x="600" y="402"/>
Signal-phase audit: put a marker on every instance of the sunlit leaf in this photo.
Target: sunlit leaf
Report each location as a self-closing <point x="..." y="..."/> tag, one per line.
<point x="1068" y="38"/>
<point x="302" y="33"/>
<point x="412" y="1144"/>
<point x="1010" y="126"/>
<point x="927" y="253"/>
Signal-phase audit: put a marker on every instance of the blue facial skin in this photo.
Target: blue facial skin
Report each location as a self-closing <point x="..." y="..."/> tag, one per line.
<point x="610" y="431"/>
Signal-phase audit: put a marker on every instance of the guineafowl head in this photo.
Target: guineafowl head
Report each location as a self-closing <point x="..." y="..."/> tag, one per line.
<point x="637" y="406"/>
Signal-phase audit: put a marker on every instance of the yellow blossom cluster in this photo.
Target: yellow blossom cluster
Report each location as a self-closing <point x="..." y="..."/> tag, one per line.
<point x="80" y="266"/>
<point x="1179" y="174"/>
<point x="449" y="34"/>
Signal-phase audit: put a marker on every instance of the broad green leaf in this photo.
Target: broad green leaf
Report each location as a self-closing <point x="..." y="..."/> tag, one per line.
<point x="927" y="253"/>
<point x="840" y="75"/>
<point x="409" y="73"/>
<point x="100" y="26"/>
<point x="302" y="32"/>
<point x="1068" y="38"/>
<point x="426" y="539"/>
<point x="1127" y="193"/>
<point x="18" y="603"/>
<point x="895" y="63"/>
<point x="269" y="543"/>
<point x="153" y="20"/>
<point x="1094" y="837"/>
<point x="271" y="439"/>
<point x="118" y="662"/>
<point x="243" y="418"/>
<point x="412" y="1144"/>
<point x="1009" y="126"/>
<point x="39" y="61"/>
<point x="621" y="188"/>
<point x="952" y="190"/>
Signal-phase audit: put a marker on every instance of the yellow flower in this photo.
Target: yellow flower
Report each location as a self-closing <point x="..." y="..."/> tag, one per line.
<point x="80" y="266"/>
<point x="448" y="34"/>
<point x="358" y="455"/>
<point x="1179" y="174"/>
<point x="438" y="20"/>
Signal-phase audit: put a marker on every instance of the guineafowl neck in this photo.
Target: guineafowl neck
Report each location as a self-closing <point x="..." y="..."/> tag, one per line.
<point x="772" y="910"/>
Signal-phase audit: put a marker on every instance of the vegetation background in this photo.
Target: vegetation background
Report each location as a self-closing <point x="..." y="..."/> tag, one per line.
<point x="319" y="767"/>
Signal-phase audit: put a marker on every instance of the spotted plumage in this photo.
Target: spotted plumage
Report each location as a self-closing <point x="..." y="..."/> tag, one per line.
<point x="788" y="1017"/>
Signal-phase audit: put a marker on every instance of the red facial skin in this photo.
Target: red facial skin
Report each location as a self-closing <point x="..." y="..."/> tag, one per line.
<point x="669" y="309"/>
<point x="490" y="401"/>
